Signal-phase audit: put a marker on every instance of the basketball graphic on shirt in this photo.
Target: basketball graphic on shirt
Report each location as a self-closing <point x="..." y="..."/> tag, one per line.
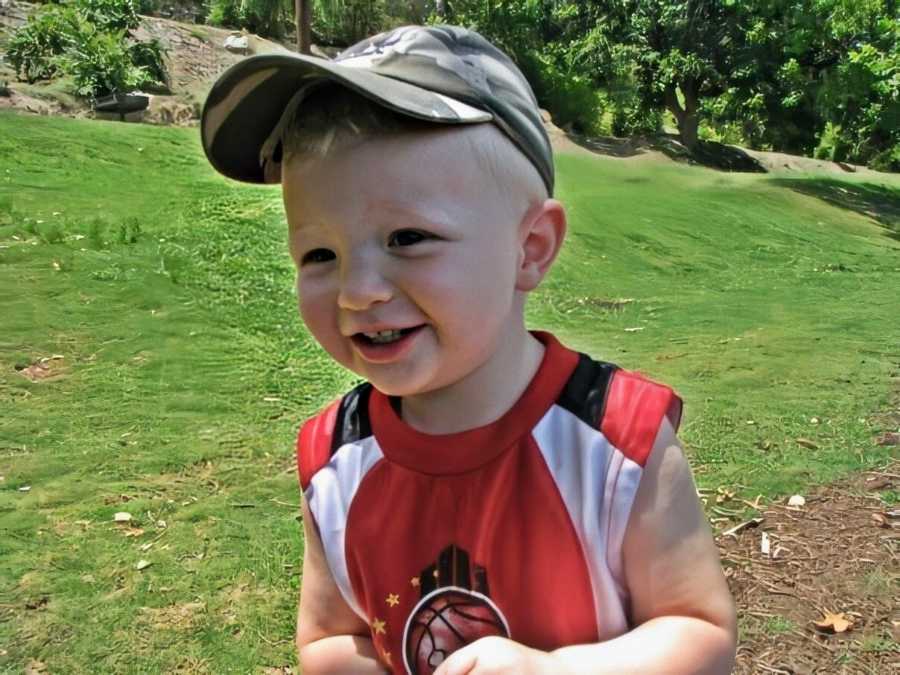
<point x="450" y="614"/>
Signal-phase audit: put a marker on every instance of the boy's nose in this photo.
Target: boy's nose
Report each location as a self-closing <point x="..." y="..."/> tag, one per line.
<point x="362" y="285"/>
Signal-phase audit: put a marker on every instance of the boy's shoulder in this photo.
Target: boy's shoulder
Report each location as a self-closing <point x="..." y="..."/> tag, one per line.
<point x="342" y="421"/>
<point x="625" y="407"/>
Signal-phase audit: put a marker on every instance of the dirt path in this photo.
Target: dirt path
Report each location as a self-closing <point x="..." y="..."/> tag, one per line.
<point x="838" y="554"/>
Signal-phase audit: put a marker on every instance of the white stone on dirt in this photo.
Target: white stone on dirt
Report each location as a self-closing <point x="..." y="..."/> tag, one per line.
<point x="237" y="44"/>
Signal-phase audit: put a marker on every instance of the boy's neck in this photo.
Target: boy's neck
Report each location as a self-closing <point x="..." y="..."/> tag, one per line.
<point x="484" y="395"/>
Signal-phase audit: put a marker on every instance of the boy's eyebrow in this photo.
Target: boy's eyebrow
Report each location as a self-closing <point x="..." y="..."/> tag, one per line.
<point x="305" y="225"/>
<point x="439" y="218"/>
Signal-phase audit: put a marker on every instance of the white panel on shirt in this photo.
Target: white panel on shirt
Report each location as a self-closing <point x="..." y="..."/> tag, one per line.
<point x="598" y="484"/>
<point x="329" y="496"/>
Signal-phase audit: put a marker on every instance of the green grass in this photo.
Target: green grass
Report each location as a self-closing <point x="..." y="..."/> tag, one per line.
<point x="777" y="625"/>
<point x="168" y="294"/>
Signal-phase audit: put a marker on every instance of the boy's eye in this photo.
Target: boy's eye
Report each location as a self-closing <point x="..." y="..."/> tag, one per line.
<point x="407" y="237"/>
<point x="317" y="255"/>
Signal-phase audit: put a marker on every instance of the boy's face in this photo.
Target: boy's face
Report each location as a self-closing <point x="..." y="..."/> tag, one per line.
<point x="406" y="233"/>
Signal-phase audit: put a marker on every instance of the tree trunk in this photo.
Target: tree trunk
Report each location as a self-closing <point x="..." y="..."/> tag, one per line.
<point x="440" y="8"/>
<point x="303" y="15"/>
<point x="686" y="117"/>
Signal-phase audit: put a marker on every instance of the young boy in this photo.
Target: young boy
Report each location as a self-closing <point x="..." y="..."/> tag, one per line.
<point x="487" y="500"/>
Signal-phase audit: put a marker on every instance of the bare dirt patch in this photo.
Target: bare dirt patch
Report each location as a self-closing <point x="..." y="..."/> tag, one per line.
<point x="47" y="368"/>
<point x="175" y="617"/>
<point x="837" y="555"/>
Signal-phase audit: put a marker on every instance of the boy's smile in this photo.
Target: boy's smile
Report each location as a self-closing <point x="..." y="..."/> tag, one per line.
<point x="407" y="257"/>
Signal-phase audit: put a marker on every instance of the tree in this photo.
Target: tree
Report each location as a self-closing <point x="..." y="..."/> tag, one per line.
<point x="303" y="16"/>
<point x="818" y="76"/>
<point x="671" y="53"/>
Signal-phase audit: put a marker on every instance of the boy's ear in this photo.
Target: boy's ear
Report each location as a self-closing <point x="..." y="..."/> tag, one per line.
<point x="541" y="233"/>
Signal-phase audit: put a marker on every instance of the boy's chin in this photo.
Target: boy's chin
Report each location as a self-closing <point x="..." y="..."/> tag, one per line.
<point x="401" y="388"/>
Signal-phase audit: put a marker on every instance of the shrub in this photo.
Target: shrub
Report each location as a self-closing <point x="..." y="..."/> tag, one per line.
<point x="572" y="100"/>
<point x="832" y="145"/>
<point x="886" y="160"/>
<point x="101" y="64"/>
<point x="346" y="22"/>
<point x="35" y="48"/>
<point x="266" y="17"/>
<point x="109" y="15"/>
<point x="87" y="40"/>
<point x="225" y="13"/>
<point x="151" y="57"/>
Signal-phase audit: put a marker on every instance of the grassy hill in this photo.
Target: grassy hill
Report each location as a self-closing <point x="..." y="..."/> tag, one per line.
<point x="151" y="302"/>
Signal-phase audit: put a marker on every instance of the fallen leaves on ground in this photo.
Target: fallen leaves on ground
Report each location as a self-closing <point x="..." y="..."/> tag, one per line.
<point x="833" y="623"/>
<point x="832" y="557"/>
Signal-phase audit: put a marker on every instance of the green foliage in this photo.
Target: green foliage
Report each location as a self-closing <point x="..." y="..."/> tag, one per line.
<point x="34" y="49"/>
<point x="346" y="22"/>
<point x="225" y="13"/>
<point x="515" y="27"/>
<point x="573" y="100"/>
<point x="831" y="144"/>
<point x="109" y="16"/>
<point x="818" y="76"/>
<point x="265" y="17"/>
<point x="150" y="56"/>
<point x="87" y="40"/>
<point x="101" y="64"/>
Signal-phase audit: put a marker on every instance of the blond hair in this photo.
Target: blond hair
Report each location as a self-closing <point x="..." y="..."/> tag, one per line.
<point x="332" y="117"/>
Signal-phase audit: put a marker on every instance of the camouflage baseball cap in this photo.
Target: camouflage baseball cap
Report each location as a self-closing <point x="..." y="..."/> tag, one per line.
<point x="444" y="74"/>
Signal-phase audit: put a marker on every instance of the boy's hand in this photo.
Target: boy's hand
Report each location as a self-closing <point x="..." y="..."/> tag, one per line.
<point x="499" y="655"/>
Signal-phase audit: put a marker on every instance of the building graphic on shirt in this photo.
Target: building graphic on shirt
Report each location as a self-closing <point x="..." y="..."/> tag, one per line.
<point x="455" y="609"/>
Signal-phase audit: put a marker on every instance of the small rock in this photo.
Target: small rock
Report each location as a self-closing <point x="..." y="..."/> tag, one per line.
<point x="797" y="500"/>
<point x="142" y="565"/>
<point x="122" y="517"/>
<point x="237" y="44"/>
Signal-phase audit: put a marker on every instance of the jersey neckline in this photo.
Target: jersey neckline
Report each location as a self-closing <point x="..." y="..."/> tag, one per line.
<point x="470" y="449"/>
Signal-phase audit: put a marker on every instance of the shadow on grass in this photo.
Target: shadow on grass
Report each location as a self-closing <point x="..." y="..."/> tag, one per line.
<point x="610" y="145"/>
<point x="708" y="153"/>
<point x="879" y="202"/>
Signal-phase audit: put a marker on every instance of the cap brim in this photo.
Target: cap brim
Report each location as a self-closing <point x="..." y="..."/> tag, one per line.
<point x="247" y="101"/>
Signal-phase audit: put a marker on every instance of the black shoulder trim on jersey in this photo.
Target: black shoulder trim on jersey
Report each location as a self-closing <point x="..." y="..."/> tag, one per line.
<point x="352" y="421"/>
<point x="585" y="393"/>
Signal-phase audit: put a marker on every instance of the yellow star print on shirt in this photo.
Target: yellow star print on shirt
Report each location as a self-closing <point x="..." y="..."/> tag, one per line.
<point x="378" y="626"/>
<point x="393" y="599"/>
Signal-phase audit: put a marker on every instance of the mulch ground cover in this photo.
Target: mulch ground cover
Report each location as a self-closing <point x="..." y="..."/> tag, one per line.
<point x="818" y="585"/>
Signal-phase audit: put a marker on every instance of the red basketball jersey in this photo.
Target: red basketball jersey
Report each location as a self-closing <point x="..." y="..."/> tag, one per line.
<point x="514" y="528"/>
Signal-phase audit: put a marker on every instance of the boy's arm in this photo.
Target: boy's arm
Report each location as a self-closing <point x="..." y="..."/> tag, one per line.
<point x="331" y="638"/>
<point x="681" y="607"/>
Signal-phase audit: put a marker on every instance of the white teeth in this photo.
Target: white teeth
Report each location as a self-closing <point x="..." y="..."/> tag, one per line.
<point x="383" y="336"/>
